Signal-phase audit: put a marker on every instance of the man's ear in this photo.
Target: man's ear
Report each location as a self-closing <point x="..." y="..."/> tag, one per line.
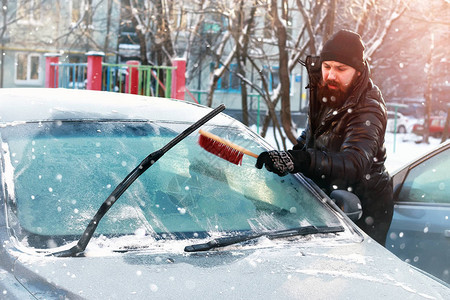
<point x="359" y="73"/>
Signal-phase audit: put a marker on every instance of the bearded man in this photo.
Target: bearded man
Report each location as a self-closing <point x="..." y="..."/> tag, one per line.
<point x="342" y="146"/>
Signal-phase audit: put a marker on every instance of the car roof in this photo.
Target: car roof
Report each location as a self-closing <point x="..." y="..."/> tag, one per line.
<point x="41" y="104"/>
<point x="391" y="112"/>
<point x="432" y="152"/>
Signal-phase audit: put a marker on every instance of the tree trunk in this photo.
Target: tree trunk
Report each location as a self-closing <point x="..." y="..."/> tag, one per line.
<point x="281" y="34"/>
<point x="2" y="37"/>
<point x="219" y="70"/>
<point x="363" y="19"/>
<point x="445" y="134"/>
<point x="212" y="88"/>
<point x="428" y="94"/>
<point x="243" y="94"/>
<point x="141" y="36"/>
<point x="329" y="25"/>
<point x="108" y="27"/>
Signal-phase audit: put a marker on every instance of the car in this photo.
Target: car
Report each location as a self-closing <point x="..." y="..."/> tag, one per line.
<point x="436" y="127"/>
<point x="398" y="123"/>
<point x="109" y="196"/>
<point x="420" y="230"/>
<point x="410" y="109"/>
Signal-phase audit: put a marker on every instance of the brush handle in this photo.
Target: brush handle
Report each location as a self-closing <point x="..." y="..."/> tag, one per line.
<point x="227" y="143"/>
<point x="193" y="127"/>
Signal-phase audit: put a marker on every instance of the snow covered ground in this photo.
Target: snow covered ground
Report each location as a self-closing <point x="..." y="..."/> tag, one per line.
<point x="401" y="148"/>
<point x="404" y="150"/>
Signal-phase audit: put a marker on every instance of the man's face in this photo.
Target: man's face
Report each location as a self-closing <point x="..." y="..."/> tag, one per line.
<point x="337" y="76"/>
<point x="337" y="81"/>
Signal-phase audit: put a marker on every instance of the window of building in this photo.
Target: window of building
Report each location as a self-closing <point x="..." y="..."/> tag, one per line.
<point x="272" y="76"/>
<point x="28" y="68"/>
<point x="229" y="81"/>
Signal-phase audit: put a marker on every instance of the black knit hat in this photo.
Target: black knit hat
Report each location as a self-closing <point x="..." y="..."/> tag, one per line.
<point x="345" y="47"/>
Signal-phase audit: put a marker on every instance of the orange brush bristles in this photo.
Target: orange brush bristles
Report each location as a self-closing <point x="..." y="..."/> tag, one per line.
<point x="221" y="150"/>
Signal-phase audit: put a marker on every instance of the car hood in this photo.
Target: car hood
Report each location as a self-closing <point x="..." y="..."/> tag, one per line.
<point x="286" y="269"/>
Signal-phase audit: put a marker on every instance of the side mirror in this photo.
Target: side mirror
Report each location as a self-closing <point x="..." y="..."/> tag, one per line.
<point x="348" y="202"/>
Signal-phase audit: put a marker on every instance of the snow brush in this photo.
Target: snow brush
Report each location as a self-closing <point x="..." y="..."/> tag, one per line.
<point x="223" y="148"/>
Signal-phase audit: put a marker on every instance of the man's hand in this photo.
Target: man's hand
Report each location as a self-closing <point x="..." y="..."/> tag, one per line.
<point x="278" y="162"/>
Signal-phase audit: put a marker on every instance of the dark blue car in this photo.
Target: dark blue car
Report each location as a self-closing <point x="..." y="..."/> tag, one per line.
<point x="420" y="229"/>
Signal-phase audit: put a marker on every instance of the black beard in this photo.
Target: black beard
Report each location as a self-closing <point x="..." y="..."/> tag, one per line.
<point x="335" y="98"/>
<point x="332" y="98"/>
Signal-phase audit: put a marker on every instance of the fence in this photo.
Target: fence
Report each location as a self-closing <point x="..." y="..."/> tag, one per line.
<point x="132" y="78"/>
<point x="71" y="75"/>
<point x="137" y="79"/>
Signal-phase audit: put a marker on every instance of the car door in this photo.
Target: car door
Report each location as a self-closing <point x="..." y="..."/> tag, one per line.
<point x="420" y="229"/>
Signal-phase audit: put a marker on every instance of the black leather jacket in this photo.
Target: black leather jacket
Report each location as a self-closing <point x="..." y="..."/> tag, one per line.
<point x="346" y="145"/>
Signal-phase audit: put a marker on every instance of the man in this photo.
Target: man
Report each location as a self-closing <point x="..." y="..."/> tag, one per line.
<point x="342" y="146"/>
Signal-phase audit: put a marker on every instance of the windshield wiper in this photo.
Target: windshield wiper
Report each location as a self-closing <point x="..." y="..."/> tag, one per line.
<point x="226" y="241"/>
<point x="128" y="180"/>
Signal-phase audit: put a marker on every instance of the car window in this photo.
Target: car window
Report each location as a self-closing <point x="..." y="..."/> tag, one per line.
<point x="63" y="171"/>
<point x="428" y="182"/>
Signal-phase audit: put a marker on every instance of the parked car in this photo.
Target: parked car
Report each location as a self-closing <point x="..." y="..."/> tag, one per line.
<point x="399" y="123"/>
<point x="100" y="198"/>
<point x="413" y="109"/>
<point x="436" y="126"/>
<point x="420" y="229"/>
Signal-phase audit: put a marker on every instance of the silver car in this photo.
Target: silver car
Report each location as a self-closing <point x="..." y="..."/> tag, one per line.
<point x="109" y="196"/>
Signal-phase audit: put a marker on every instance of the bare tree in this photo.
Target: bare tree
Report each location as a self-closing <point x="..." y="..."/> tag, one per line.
<point x="86" y="27"/>
<point x="284" y="73"/>
<point x="151" y="21"/>
<point x="242" y="28"/>
<point x="314" y="17"/>
<point x="428" y="95"/>
<point x="221" y="58"/>
<point x="3" y="29"/>
<point x="10" y="16"/>
<point x="406" y="68"/>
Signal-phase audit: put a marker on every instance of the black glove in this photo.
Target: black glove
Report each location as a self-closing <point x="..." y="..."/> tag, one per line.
<point x="279" y="162"/>
<point x="299" y="146"/>
<point x="284" y="162"/>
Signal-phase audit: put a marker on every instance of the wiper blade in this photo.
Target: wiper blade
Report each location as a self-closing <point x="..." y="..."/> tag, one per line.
<point x="222" y="242"/>
<point x="226" y="241"/>
<point x="306" y="230"/>
<point x="128" y="180"/>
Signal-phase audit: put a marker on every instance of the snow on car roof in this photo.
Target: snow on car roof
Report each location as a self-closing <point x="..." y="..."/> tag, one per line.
<point x="39" y="104"/>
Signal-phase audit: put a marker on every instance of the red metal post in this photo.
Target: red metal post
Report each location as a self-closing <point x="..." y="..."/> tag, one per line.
<point x="179" y="78"/>
<point x="94" y="70"/>
<point x="51" y="72"/>
<point x="132" y="78"/>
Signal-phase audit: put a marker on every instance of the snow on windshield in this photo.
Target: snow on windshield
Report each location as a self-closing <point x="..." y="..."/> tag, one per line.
<point x="63" y="172"/>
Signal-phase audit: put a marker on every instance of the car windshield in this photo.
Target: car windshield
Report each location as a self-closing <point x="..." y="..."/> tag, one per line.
<point x="64" y="170"/>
